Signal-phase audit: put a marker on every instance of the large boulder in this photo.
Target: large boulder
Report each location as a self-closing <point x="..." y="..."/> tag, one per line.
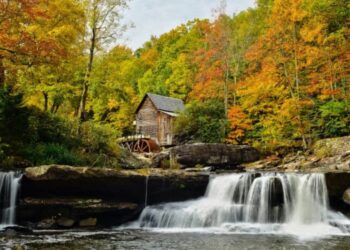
<point x="332" y="146"/>
<point x="346" y="196"/>
<point x="217" y="155"/>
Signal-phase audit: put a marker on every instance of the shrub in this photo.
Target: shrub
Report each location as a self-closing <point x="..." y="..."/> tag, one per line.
<point x="334" y="119"/>
<point x="202" y="122"/>
<point x="51" y="153"/>
<point x="97" y="138"/>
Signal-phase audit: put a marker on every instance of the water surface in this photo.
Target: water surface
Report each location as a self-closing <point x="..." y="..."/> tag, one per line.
<point x="153" y="240"/>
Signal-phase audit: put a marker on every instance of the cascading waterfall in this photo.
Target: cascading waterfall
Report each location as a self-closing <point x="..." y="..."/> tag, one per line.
<point x="254" y="203"/>
<point x="9" y="186"/>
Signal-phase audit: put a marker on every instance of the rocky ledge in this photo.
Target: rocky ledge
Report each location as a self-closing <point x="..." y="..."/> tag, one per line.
<point x="72" y="212"/>
<point x="110" y="184"/>
<point x="107" y="195"/>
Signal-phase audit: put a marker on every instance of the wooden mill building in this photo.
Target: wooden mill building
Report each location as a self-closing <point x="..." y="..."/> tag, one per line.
<point x="155" y="115"/>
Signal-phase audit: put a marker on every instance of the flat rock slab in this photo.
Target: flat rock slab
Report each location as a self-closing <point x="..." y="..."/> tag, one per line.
<point x="113" y="185"/>
<point x="212" y="154"/>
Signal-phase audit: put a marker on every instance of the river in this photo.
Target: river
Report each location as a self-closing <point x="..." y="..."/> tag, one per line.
<point x="239" y="211"/>
<point x="153" y="240"/>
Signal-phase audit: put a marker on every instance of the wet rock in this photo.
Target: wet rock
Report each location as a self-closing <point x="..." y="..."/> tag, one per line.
<point x="337" y="183"/>
<point x="212" y="154"/>
<point x="346" y="196"/>
<point x="65" y="222"/>
<point x="276" y="195"/>
<point x="46" y="224"/>
<point x="69" y="210"/>
<point x="199" y="169"/>
<point x="13" y="230"/>
<point x="10" y="233"/>
<point x="161" y="160"/>
<point x="89" y="222"/>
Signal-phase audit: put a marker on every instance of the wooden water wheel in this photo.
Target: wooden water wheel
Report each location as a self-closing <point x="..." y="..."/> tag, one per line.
<point x="139" y="145"/>
<point x="145" y="146"/>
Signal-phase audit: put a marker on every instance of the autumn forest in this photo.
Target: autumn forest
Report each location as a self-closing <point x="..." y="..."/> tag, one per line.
<point x="275" y="76"/>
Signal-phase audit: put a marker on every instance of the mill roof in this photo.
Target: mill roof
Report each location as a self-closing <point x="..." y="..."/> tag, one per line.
<point x="164" y="103"/>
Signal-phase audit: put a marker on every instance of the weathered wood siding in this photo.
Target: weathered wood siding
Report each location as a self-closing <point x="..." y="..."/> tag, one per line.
<point x="165" y="135"/>
<point x="147" y="119"/>
<point x="154" y="123"/>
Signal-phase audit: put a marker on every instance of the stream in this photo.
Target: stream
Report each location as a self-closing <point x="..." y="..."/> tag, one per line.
<point x="238" y="211"/>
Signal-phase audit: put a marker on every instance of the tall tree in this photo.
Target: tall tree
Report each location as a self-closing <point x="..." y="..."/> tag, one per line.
<point x="64" y="24"/>
<point x="20" y="41"/>
<point x="214" y="62"/>
<point x="103" y="27"/>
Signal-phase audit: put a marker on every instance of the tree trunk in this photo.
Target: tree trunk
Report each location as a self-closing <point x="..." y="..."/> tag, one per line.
<point x="296" y="64"/>
<point x="297" y="85"/>
<point x="226" y="87"/>
<point x="2" y="73"/>
<point x="46" y="100"/>
<point x="84" y="94"/>
<point x="55" y="107"/>
<point x="235" y="84"/>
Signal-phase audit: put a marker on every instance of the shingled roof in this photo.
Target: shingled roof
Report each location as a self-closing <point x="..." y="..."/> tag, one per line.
<point x="164" y="103"/>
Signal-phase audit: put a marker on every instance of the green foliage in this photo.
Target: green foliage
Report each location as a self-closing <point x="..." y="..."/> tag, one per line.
<point x="98" y="138"/>
<point x="2" y="150"/>
<point x="45" y="138"/>
<point x="48" y="128"/>
<point x="202" y="122"/>
<point x="13" y="117"/>
<point x="50" y="153"/>
<point x="334" y="119"/>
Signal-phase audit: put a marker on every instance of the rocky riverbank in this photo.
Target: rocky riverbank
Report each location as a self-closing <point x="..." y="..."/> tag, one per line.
<point x="63" y="196"/>
<point x="328" y="155"/>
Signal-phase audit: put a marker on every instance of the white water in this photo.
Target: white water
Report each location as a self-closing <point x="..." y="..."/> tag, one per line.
<point x="9" y="186"/>
<point x="253" y="203"/>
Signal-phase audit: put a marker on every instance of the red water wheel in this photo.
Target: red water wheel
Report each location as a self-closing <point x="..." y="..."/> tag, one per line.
<point x="142" y="146"/>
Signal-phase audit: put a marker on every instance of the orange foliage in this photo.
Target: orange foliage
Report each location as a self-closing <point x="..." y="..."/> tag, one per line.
<point x="18" y="41"/>
<point x="211" y="63"/>
<point x="239" y="124"/>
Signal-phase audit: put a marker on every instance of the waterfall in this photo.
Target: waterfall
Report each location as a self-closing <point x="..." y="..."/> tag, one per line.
<point x="9" y="186"/>
<point x="254" y="203"/>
